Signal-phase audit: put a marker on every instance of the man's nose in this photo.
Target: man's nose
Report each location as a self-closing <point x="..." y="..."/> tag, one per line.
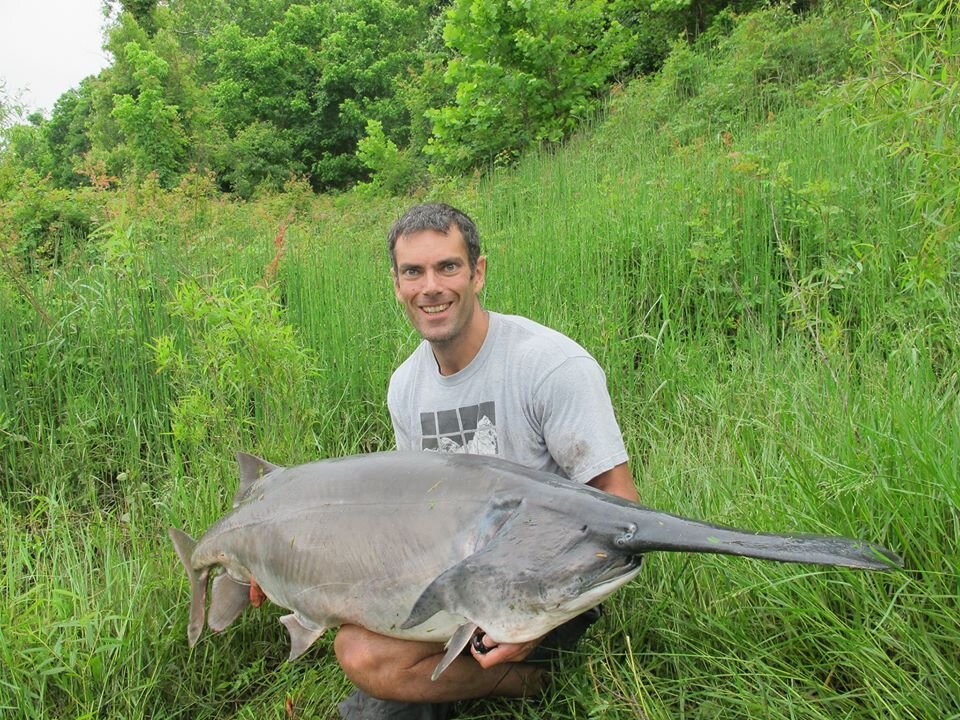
<point x="431" y="283"/>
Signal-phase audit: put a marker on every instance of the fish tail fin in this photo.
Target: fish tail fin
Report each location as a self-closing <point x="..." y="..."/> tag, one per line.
<point x="671" y="533"/>
<point x="184" y="545"/>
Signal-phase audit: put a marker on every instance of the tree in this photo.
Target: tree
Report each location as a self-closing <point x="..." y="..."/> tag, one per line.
<point x="142" y="11"/>
<point x="524" y="71"/>
<point x="151" y="127"/>
<point x="66" y="133"/>
<point x="316" y="76"/>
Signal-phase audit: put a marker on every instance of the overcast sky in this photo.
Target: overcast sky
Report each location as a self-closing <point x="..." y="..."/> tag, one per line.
<point x="48" y="47"/>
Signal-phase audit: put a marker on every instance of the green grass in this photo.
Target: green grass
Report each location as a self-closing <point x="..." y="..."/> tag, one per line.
<point x="753" y="277"/>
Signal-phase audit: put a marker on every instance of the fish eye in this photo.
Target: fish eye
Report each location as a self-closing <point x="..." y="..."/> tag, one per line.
<point x="627" y="535"/>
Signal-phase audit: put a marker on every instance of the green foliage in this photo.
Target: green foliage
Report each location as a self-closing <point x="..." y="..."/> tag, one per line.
<point x="422" y="87"/>
<point x="54" y="147"/>
<point x="267" y="77"/>
<point x="66" y="134"/>
<point x="392" y="170"/>
<point x="259" y="90"/>
<point x="370" y="48"/>
<point x="237" y="370"/>
<point x="143" y="12"/>
<point x="912" y="92"/>
<point x="750" y="142"/>
<point x="262" y="98"/>
<point x="195" y="20"/>
<point x="150" y="126"/>
<point x="316" y="76"/>
<point x="25" y="147"/>
<point x="42" y="224"/>
<point x="259" y="157"/>
<point x="524" y="72"/>
<point x="653" y="34"/>
<point x="745" y="68"/>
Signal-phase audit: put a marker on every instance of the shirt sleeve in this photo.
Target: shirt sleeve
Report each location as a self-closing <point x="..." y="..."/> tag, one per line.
<point x="403" y="438"/>
<point x="577" y="419"/>
<point x="402" y="441"/>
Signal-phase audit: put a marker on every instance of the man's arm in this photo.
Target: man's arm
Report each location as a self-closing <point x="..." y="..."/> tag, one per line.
<point x="617" y="481"/>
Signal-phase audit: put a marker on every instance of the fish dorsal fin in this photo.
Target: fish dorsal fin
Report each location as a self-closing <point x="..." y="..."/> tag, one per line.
<point x="252" y="469"/>
<point x="301" y="636"/>
<point x="455" y="645"/>
<point x="228" y="598"/>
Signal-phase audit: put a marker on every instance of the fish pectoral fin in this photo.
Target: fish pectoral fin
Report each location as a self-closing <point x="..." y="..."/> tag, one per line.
<point x="301" y="636"/>
<point x="228" y="598"/>
<point x="455" y="645"/>
<point x="458" y="589"/>
<point x="435" y="598"/>
<point x="184" y="545"/>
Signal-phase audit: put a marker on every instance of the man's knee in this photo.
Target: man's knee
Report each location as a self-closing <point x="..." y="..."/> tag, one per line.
<point x="375" y="664"/>
<point x="357" y="654"/>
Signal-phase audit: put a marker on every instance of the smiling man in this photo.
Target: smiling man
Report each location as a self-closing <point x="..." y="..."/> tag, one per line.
<point x="486" y="383"/>
<point x="438" y="281"/>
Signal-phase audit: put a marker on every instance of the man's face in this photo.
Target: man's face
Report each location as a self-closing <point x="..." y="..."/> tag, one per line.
<point x="433" y="281"/>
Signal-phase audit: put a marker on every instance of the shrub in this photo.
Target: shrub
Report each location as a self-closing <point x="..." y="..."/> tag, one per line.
<point x="42" y="222"/>
<point x="393" y="171"/>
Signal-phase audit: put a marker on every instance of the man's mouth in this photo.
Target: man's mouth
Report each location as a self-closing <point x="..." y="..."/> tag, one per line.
<point x="434" y="309"/>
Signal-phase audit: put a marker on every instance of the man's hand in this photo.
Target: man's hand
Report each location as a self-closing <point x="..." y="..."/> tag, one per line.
<point x="495" y="653"/>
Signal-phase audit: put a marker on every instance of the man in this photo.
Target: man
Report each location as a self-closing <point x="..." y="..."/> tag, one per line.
<point x="483" y="383"/>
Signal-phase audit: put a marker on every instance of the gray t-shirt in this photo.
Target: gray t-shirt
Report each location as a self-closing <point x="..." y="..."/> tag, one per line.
<point x="531" y="395"/>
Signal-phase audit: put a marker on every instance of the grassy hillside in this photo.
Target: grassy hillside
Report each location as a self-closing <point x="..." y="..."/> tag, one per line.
<point x="760" y="247"/>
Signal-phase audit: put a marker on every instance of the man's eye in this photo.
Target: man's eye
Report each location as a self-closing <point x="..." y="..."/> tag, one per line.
<point x="451" y="267"/>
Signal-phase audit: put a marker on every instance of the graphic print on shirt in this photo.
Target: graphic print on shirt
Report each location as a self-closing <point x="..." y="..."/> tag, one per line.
<point x="469" y="429"/>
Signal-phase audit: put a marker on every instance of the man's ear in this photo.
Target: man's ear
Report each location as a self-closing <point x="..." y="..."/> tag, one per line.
<point x="396" y="283"/>
<point x="480" y="273"/>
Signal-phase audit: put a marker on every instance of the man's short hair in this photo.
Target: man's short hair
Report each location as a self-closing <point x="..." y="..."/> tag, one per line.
<point x="438" y="217"/>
